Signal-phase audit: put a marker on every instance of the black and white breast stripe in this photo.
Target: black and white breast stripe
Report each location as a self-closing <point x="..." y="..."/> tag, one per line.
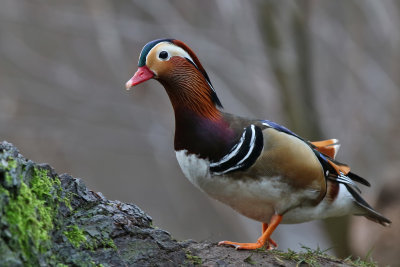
<point x="243" y="154"/>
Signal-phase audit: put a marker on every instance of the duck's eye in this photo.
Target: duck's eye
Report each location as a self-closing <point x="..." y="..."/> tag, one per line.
<point x="163" y="55"/>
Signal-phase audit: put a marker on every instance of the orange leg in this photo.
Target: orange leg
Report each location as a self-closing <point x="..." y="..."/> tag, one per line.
<point x="264" y="238"/>
<point x="264" y="227"/>
<point x="271" y="243"/>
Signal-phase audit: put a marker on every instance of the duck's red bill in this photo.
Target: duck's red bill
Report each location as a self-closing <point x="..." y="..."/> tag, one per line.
<point x="142" y="74"/>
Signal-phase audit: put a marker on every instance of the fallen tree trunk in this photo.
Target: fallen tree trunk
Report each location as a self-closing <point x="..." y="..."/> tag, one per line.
<point x="48" y="219"/>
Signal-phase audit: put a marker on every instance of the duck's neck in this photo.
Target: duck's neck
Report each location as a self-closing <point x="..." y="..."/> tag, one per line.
<point x="192" y="93"/>
<point x="205" y="137"/>
<point x="200" y="127"/>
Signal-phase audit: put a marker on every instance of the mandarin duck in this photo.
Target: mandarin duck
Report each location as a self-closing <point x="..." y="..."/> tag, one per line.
<point x="258" y="167"/>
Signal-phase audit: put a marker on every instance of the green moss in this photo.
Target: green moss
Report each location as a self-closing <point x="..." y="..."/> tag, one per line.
<point x="75" y="236"/>
<point x="9" y="165"/>
<point x="30" y="213"/>
<point x="8" y="178"/>
<point x="43" y="186"/>
<point x="12" y="164"/>
<point x="29" y="219"/>
<point x="109" y="243"/>
<point x="104" y="243"/>
<point x="30" y="198"/>
<point x="4" y="191"/>
<point x="67" y="199"/>
<point x="192" y="259"/>
<point x="29" y="207"/>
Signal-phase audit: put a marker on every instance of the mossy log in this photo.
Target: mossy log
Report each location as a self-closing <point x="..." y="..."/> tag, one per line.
<point x="48" y="219"/>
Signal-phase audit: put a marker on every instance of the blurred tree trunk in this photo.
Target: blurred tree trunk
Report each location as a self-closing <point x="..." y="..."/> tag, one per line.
<point x="286" y="32"/>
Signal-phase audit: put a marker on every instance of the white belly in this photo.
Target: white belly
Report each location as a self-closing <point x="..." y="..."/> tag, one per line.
<point x="258" y="198"/>
<point x="261" y="197"/>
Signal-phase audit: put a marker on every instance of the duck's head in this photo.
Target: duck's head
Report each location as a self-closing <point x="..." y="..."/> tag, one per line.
<point x="178" y="69"/>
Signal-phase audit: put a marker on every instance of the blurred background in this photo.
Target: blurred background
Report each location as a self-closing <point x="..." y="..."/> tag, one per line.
<point x="325" y="69"/>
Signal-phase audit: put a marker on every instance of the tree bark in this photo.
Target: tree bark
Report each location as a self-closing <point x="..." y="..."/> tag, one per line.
<point x="48" y="219"/>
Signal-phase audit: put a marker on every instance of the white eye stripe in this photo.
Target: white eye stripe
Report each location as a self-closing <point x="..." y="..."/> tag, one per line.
<point x="172" y="51"/>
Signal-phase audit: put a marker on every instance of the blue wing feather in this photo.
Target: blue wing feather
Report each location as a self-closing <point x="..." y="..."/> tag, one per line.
<point x="280" y="128"/>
